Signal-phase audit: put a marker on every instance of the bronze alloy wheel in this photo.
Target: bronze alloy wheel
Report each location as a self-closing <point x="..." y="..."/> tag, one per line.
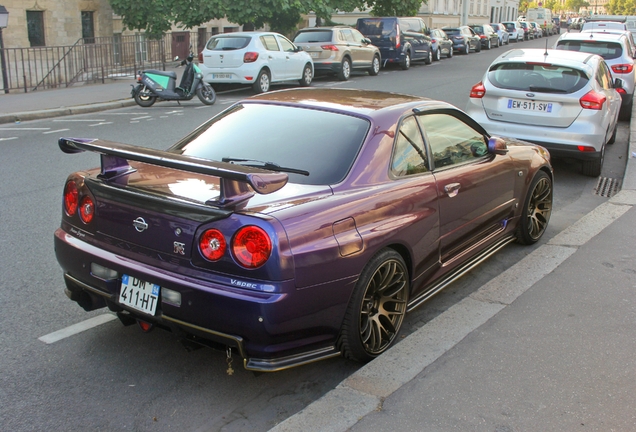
<point x="377" y="309"/>
<point x="537" y="210"/>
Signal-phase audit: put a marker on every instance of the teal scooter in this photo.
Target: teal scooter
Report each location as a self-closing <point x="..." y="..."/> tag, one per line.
<point x="156" y="84"/>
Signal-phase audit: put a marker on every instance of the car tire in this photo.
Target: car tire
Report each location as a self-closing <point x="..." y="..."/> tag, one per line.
<point x="206" y="94"/>
<point x="375" y="66"/>
<point x="345" y="69"/>
<point x="592" y="168"/>
<point x="438" y="55"/>
<point x="478" y="47"/>
<point x="429" y="57"/>
<point x="307" y="76"/>
<point x="406" y="64"/>
<point x="377" y="307"/>
<point x="536" y="210"/>
<point x="625" y="112"/>
<point x="262" y="83"/>
<point x="612" y="139"/>
<point x="450" y="52"/>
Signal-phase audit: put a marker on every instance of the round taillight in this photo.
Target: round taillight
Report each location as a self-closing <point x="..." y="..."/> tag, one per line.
<point x="251" y="246"/>
<point x="212" y="244"/>
<point x="71" y="198"/>
<point x="87" y="209"/>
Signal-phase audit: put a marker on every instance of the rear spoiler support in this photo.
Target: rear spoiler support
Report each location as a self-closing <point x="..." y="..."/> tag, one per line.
<point x="238" y="183"/>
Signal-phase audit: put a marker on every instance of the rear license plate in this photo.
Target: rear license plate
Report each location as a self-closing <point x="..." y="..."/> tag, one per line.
<point x="139" y="294"/>
<point x="221" y="76"/>
<point x="314" y="54"/>
<point x="529" y="105"/>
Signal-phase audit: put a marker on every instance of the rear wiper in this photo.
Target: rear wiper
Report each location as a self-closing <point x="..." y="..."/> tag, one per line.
<point x="265" y="165"/>
<point x="546" y="89"/>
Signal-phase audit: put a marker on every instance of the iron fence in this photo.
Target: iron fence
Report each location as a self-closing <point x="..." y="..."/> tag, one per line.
<point x="93" y="60"/>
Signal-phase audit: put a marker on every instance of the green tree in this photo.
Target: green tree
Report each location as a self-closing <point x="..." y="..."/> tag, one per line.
<point x="575" y="5"/>
<point x="395" y="7"/>
<point x="621" y="7"/>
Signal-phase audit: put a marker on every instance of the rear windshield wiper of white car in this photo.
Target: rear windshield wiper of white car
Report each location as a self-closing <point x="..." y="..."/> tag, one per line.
<point x="546" y="89"/>
<point x="265" y="165"/>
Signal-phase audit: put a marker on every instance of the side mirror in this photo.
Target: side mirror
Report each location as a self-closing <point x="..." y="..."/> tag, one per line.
<point x="298" y="49"/>
<point x="619" y="83"/>
<point x="366" y="41"/>
<point x="497" y="146"/>
<point x="176" y="58"/>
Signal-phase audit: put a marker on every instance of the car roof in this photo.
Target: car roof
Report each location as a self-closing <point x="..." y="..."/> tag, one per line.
<point x="594" y="35"/>
<point x="246" y="33"/>
<point x="574" y="59"/>
<point x="354" y="101"/>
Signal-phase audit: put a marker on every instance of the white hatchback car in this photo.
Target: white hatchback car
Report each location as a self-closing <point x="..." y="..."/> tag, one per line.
<point x="565" y="101"/>
<point x="255" y="58"/>
<point x="515" y="31"/>
<point x="618" y="52"/>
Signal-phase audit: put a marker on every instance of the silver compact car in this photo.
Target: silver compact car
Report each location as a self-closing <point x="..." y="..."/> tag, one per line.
<point x="563" y="100"/>
<point x="617" y="51"/>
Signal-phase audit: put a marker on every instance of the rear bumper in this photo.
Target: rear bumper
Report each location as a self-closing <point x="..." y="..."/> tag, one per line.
<point x="270" y="331"/>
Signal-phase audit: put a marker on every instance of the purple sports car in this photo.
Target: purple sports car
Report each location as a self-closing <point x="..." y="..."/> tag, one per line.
<point x="297" y="225"/>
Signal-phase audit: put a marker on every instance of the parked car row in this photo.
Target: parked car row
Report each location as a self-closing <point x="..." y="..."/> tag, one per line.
<point x="261" y="59"/>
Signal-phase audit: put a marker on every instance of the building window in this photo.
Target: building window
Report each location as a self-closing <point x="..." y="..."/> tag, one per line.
<point x="88" y="27"/>
<point x="35" y="26"/>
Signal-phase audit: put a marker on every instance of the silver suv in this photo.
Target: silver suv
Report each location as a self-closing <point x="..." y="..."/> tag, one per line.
<point x="339" y="50"/>
<point x="617" y="51"/>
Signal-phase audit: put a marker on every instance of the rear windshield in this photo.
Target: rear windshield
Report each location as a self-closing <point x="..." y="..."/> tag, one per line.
<point x="228" y="43"/>
<point x="478" y="29"/>
<point x="313" y="36"/>
<point x="377" y="26"/>
<point x="451" y="31"/>
<point x="607" y="50"/>
<point x="510" y="26"/>
<point x="289" y="137"/>
<point x="540" y="78"/>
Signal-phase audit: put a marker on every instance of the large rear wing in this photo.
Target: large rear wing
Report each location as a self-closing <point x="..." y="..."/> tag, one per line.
<point x="238" y="183"/>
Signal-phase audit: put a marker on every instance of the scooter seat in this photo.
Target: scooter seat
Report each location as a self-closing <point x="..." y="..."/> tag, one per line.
<point x="170" y="74"/>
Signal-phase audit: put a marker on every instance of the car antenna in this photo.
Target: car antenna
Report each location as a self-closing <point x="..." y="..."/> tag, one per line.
<point x="546" y="47"/>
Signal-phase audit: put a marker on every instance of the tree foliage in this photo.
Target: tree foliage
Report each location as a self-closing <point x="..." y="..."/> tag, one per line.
<point x="621" y="7"/>
<point x="156" y="17"/>
<point x="576" y="5"/>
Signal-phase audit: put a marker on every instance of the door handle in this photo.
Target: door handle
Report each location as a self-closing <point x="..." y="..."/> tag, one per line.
<point x="452" y="189"/>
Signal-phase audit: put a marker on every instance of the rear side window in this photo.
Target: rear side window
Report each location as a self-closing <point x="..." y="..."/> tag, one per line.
<point x="313" y="36"/>
<point x="607" y="50"/>
<point x="225" y="43"/>
<point x="541" y="78"/>
<point x="269" y="42"/>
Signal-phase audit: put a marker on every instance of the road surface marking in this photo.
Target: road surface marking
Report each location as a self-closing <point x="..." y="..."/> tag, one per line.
<point x="24" y="129"/>
<point x="8" y="139"/>
<point x="53" y="131"/>
<point x="77" y="328"/>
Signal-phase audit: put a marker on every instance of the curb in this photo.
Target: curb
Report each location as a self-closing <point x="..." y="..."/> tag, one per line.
<point x="59" y="112"/>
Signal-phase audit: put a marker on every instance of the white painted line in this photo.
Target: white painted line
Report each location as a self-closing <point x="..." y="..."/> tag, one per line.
<point x="53" y="131"/>
<point x="77" y="328"/>
<point x="100" y="123"/>
<point x="139" y="118"/>
<point x="24" y="129"/>
<point x="121" y="114"/>
<point x="80" y="120"/>
<point x="8" y="139"/>
<point x="203" y="107"/>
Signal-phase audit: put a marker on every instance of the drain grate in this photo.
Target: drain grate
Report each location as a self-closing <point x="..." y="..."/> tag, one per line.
<point x="607" y="187"/>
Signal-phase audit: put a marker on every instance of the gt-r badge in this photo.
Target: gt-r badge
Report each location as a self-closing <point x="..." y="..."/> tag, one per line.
<point x="140" y="224"/>
<point x="179" y="248"/>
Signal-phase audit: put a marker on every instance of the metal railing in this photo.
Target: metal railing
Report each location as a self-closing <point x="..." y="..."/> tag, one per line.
<point x="94" y="60"/>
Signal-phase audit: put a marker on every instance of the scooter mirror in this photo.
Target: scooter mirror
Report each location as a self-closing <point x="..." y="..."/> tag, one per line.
<point x="176" y="58"/>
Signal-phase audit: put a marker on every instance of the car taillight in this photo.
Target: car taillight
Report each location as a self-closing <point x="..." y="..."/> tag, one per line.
<point x="251" y="246"/>
<point x="478" y="91"/>
<point x="250" y="57"/>
<point x="482" y="36"/>
<point x="623" y="68"/>
<point x="71" y="198"/>
<point x="621" y="90"/>
<point x="200" y="57"/>
<point x="329" y="47"/>
<point x="212" y="245"/>
<point x="87" y="209"/>
<point x="586" y="148"/>
<point x="397" y="37"/>
<point x="592" y="100"/>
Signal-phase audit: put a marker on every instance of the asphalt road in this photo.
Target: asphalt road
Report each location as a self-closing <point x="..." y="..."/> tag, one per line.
<point x="111" y="377"/>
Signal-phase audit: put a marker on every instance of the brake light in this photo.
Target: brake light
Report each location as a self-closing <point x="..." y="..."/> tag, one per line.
<point x="251" y="246"/>
<point x="592" y="100"/>
<point x="478" y="91"/>
<point x="87" y="209"/>
<point x="397" y="37"/>
<point x="621" y="90"/>
<point x="330" y="48"/>
<point x="250" y="57"/>
<point x="71" y="198"/>
<point x="200" y="57"/>
<point x="212" y="245"/>
<point x="482" y="36"/>
<point x="586" y="148"/>
<point x="623" y="68"/>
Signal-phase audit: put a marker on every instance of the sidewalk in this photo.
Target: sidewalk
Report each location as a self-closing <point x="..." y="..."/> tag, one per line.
<point x="547" y="345"/>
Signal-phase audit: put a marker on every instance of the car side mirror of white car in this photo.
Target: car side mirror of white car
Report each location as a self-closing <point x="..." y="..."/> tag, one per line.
<point x="497" y="146"/>
<point x="619" y="83"/>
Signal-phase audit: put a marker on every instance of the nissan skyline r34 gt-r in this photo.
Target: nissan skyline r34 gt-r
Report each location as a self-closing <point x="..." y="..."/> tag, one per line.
<point x="297" y="225"/>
